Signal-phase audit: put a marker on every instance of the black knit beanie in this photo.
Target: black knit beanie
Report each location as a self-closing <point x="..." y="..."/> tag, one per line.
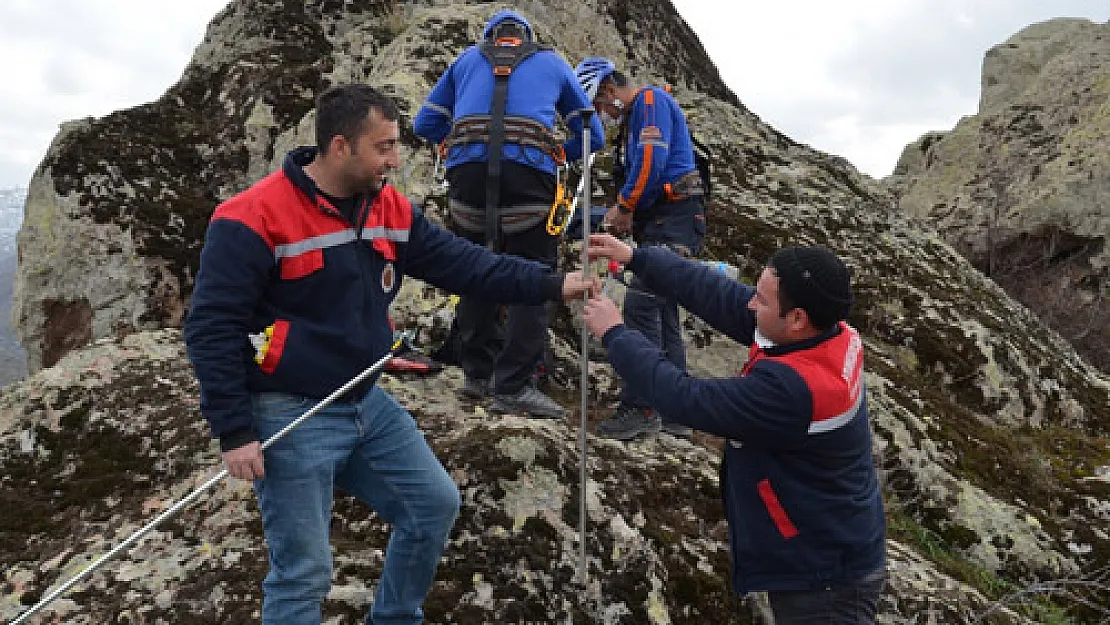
<point x="815" y="280"/>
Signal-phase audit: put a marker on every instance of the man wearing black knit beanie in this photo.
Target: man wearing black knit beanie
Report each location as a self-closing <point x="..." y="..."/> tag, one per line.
<point x="800" y="491"/>
<point x="814" y="280"/>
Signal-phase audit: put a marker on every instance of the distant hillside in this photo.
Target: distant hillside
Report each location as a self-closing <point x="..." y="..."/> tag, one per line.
<point x="13" y="362"/>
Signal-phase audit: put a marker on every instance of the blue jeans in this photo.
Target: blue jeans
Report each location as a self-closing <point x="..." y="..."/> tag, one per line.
<point x="844" y="603"/>
<point x="371" y="449"/>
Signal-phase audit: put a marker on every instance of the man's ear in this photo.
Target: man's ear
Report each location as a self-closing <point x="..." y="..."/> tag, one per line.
<point x="799" y="319"/>
<point x="339" y="146"/>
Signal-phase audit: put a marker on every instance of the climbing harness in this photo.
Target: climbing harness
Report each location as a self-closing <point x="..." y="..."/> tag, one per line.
<point x="503" y="54"/>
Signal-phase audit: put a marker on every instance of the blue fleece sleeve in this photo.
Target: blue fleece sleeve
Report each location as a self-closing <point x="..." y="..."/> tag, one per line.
<point x="769" y="407"/>
<point x="650" y="131"/>
<point x="235" y="264"/>
<point x="459" y="266"/>
<point x="433" y="120"/>
<point x="573" y="102"/>
<point x="718" y="300"/>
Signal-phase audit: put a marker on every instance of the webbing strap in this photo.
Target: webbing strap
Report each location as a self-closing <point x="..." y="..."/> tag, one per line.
<point x="504" y="56"/>
<point x="523" y="131"/>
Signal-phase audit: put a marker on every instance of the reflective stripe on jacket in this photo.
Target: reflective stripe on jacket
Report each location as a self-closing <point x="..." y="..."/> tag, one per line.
<point x="292" y="297"/>
<point x="798" y="479"/>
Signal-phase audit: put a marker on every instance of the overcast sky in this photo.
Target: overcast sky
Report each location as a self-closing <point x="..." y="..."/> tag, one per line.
<point x="856" y="78"/>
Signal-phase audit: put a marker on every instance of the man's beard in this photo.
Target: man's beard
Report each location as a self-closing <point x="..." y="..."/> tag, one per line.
<point x="366" y="185"/>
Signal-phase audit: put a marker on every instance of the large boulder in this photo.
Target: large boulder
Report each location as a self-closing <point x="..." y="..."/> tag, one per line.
<point x="1022" y="188"/>
<point x="990" y="430"/>
<point x="116" y="211"/>
<point x="96" y="445"/>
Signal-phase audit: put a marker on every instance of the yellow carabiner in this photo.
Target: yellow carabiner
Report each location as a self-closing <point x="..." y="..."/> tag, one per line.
<point x="557" y="222"/>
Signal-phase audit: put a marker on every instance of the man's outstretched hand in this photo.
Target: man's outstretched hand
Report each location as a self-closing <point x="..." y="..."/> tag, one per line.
<point x="600" y="315"/>
<point x="609" y="246"/>
<point x="575" y="285"/>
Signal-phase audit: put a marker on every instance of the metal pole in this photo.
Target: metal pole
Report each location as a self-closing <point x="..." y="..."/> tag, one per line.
<point x="584" y="185"/>
<point x="578" y="193"/>
<point x="401" y="346"/>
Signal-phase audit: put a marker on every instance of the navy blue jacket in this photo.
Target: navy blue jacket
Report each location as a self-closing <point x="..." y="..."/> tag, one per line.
<point x="540" y="87"/>
<point x="293" y="297"/>
<point x="798" y="480"/>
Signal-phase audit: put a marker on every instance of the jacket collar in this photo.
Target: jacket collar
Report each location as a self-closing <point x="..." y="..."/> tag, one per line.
<point x="293" y="168"/>
<point x="779" y="350"/>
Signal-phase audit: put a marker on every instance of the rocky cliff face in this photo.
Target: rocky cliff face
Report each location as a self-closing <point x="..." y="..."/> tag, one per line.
<point x="990" y="430"/>
<point x="1023" y="187"/>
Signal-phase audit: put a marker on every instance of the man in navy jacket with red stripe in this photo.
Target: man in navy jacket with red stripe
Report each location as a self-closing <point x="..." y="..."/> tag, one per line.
<point x="804" y="508"/>
<point x="291" y="302"/>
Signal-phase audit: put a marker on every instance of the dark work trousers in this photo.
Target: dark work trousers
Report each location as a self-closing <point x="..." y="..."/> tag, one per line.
<point x="681" y="227"/>
<point x="843" y="603"/>
<point x="509" y="356"/>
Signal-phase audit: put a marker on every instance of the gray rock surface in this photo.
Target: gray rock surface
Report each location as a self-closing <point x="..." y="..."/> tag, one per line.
<point x="98" y="444"/>
<point x="990" y="430"/>
<point x="1022" y="188"/>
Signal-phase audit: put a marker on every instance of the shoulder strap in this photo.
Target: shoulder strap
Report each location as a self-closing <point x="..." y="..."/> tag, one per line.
<point x="503" y="55"/>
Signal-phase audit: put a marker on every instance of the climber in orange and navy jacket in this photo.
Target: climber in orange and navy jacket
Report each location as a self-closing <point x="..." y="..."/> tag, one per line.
<point x="798" y="479"/>
<point x="662" y="202"/>
<point x="291" y="302"/>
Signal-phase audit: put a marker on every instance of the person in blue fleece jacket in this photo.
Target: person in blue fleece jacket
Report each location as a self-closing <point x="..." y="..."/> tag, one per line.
<point x="662" y="202"/>
<point x="291" y="302"/>
<point x="458" y="115"/>
<point x="805" y="513"/>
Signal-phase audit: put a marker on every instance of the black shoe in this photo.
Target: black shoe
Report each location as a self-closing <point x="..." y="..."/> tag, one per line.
<point x="475" y="388"/>
<point x="628" y="422"/>
<point x="678" y="430"/>
<point x="528" y="400"/>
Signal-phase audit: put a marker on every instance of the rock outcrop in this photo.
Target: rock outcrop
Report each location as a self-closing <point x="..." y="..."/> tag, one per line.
<point x="96" y="445"/>
<point x="990" y="430"/>
<point x="1023" y="187"/>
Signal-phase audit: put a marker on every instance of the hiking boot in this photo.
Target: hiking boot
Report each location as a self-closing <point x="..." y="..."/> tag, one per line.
<point x="475" y="388"/>
<point x="628" y="422"/>
<point x="678" y="430"/>
<point x="529" y="400"/>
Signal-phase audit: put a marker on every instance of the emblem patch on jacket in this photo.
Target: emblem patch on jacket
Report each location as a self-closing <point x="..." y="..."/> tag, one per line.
<point x="651" y="134"/>
<point x="389" y="278"/>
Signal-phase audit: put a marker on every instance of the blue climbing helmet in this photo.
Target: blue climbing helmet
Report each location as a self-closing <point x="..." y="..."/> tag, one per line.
<point x="591" y="72"/>
<point x="505" y="15"/>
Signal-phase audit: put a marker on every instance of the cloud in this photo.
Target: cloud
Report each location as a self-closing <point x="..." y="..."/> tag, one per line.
<point x="80" y="59"/>
<point x="856" y="78"/>
<point x="863" y="78"/>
